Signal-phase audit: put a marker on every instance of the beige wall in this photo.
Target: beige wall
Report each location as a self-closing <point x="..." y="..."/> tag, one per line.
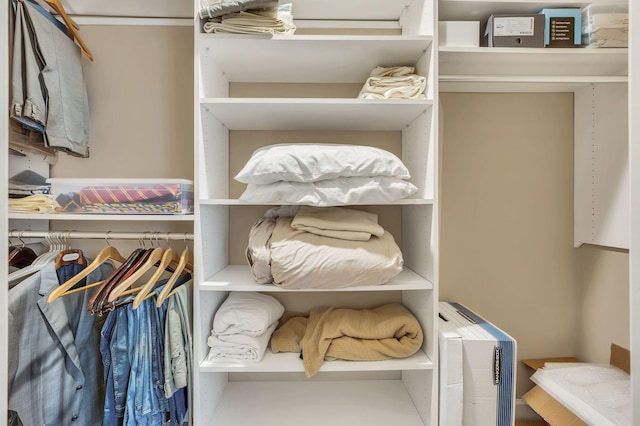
<point x="507" y="217"/>
<point x="140" y="88"/>
<point x="507" y="229"/>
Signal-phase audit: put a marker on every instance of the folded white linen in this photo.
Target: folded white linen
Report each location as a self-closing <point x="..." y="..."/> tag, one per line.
<point x="239" y="347"/>
<point x="338" y="222"/>
<point x="598" y="394"/>
<point x="250" y="22"/>
<point x="394" y="83"/>
<point x="246" y="313"/>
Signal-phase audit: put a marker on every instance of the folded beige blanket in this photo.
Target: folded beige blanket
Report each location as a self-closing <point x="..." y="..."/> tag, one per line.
<point x="386" y="332"/>
<point x="338" y="222"/>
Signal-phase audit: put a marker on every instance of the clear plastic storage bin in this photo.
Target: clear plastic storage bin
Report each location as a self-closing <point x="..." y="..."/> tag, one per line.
<point x="605" y="25"/>
<point x="123" y="196"/>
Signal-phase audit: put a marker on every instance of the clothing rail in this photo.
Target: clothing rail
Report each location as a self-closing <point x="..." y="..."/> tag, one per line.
<point x="108" y="235"/>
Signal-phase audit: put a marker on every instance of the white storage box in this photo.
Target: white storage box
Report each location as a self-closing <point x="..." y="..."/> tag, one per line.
<point x="488" y="367"/>
<point x="459" y="33"/>
<point x="123" y="196"/>
<point x="605" y="25"/>
<point x="451" y="379"/>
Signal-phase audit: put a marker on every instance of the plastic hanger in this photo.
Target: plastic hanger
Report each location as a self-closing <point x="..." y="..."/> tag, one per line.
<point x="21" y="256"/>
<point x="185" y="264"/>
<point x="71" y="26"/>
<point x="107" y="253"/>
<point x="170" y="256"/>
<point x="55" y="246"/>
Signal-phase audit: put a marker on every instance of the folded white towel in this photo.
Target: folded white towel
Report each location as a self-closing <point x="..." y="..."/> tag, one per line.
<point x="338" y="222"/>
<point x="239" y="347"/>
<point x="394" y="83"/>
<point x="246" y="313"/>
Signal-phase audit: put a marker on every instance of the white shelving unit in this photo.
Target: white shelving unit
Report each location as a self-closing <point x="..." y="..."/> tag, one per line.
<point x="343" y="393"/>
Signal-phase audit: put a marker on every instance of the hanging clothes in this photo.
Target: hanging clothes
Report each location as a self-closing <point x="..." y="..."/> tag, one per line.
<point x="55" y="373"/>
<point x="48" y="87"/>
<point x="132" y="348"/>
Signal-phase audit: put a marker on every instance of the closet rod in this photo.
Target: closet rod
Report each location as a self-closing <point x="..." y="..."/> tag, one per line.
<point x="145" y="236"/>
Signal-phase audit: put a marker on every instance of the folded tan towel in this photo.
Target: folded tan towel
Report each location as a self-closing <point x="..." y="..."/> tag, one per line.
<point x="338" y="222"/>
<point x="386" y="332"/>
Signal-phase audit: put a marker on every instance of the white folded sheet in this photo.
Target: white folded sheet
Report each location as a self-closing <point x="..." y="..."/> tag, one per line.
<point x="598" y="394"/>
<point x="246" y="313"/>
<point x="239" y="347"/>
<point x="338" y="222"/>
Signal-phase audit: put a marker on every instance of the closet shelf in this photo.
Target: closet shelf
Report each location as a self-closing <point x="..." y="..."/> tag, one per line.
<point x="316" y="403"/>
<point x="103" y="217"/>
<point x="240" y="278"/>
<point x="291" y="362"/>
<point x="236" y="202"/>
<point x="571" y="68"/>
<point x="480" y="10"/>
<point x="314" y="114"/>
<point x="327" y="59"/>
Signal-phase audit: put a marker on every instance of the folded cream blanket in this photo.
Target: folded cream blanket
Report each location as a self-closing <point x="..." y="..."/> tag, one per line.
<point x="300" y="259"/>
<point x="338" y="222"/>
<point x="394" y="83"/>
<point x="246" y="313"/>
<point x="291" y="258"/>
<point x="386" y="332"/>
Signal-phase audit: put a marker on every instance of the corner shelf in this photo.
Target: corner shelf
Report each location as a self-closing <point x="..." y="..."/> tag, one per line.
<point x="515" y="69"/>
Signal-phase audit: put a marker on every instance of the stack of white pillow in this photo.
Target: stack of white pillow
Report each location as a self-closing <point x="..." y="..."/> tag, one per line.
<point x="324" y="175"/>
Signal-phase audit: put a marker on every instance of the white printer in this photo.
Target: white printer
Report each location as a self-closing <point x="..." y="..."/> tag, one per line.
<point x="478" y="360"/>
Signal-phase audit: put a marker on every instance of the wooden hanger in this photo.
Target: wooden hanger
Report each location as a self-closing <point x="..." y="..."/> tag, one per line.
<point x="185" y="264"/>
<point x="154" y="257"/>
<point x="99" y="298"/>
<point x="71" y="26"/>
<point x="170" y="256"/>
<point x="107" y="253"/>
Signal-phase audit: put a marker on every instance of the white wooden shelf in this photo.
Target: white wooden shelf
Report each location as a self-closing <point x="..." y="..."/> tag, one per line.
<point x="314" y="114"/>
<point x="236" y="202"/>
<point x="327" y="59"/>
<point x="316" y="403"/>
<point x="480" y="10"/>
<point x="529" y="69"/>
<point x="358" y="10"/>
<point x="518" y="61"/>
<point x="240" y="278"/>
<point x="291" y="362"/>
<point x="103" y="217"/>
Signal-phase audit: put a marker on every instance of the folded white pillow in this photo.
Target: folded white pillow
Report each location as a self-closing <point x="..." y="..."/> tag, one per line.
<point x="333" y="192"/>
<point x="304" y="162"/>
